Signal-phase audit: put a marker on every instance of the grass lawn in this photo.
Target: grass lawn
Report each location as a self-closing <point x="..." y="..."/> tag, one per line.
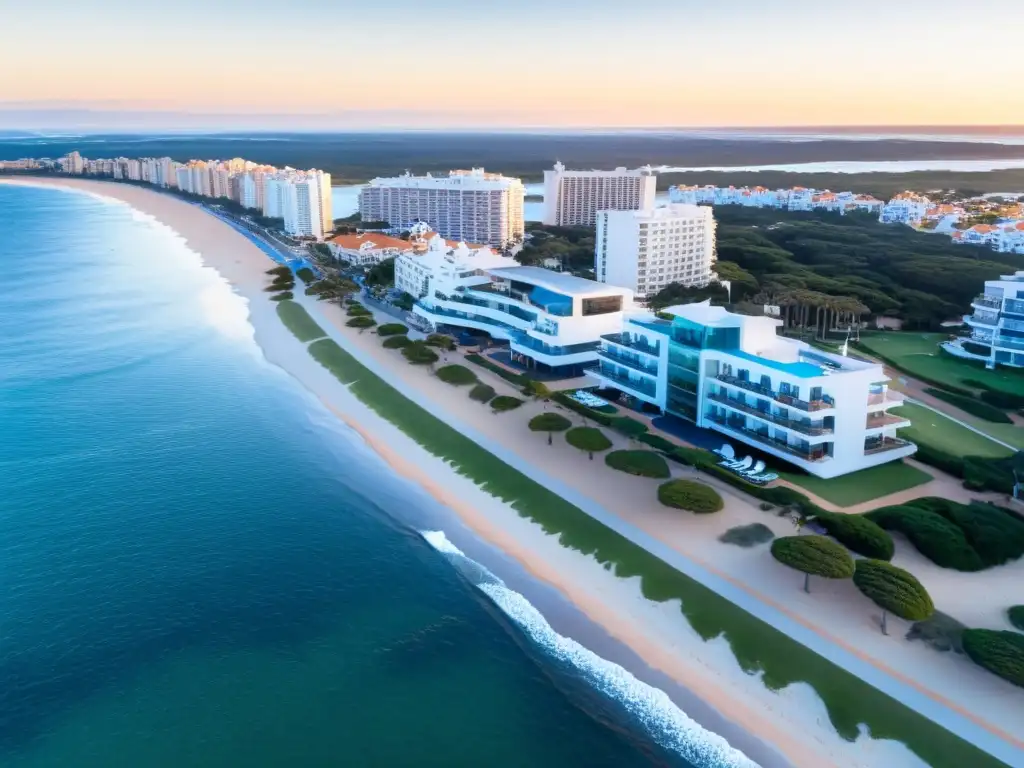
<point x="931" y="428"/>
<point x="297" y="320"/>
<point x="919" y="354"/>
<point x="858" y="487"/>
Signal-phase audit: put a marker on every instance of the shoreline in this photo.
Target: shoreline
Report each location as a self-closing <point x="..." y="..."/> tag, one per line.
<point x="658" y="651"/>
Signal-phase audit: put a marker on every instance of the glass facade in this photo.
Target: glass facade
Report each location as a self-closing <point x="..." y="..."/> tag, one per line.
<point x="700" y="336"/>
<point x="602" y="305"/>
<point x="557" y="304"/>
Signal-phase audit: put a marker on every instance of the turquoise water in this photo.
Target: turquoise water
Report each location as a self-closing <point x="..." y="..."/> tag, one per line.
<point x="202" y="567"/>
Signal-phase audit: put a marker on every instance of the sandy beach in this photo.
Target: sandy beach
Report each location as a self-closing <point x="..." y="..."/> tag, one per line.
<point x="834" y="619"/>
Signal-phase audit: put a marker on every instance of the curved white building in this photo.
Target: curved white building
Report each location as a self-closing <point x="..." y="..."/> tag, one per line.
<point x="997" y="325"/>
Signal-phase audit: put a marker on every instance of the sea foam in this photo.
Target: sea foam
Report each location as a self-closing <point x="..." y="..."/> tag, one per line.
<point x="668" y="725"/>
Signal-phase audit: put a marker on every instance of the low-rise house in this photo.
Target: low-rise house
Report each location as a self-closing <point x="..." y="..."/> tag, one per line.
<point x="905" y="208"/>
<point x="367" y="248"/>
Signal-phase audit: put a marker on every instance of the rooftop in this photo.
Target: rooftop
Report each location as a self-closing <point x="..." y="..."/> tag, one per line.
<point x="370" y="240"/>
<point x="704" y="313"/>
<point x="556" y="281"/>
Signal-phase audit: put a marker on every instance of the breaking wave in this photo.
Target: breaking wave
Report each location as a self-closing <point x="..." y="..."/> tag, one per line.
<point x="668" y="725"/>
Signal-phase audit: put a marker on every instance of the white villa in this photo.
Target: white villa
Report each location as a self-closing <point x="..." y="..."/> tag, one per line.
<point x="997" y="325"/>
<point x="825" y="413"/>
<point x="553" y="321"/>
<point x="795" y="199"/>
<point x="905" y="208"/>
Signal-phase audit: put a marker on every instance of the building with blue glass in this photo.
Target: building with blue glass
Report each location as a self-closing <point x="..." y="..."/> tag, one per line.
<point x="553" y="321"/>
<point x="827" y="414"/>
<point x="997" y="325"/>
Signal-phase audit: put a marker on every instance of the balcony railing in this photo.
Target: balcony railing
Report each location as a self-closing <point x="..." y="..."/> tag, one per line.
<point x="1008" y="343"/>
<point x="639" y="385"/>
<point x="888" y="397"/>
<point x="633" y="342"/>
<point x="988" y="301"/>
<point x="884" y="419"/>
<point x="802" y="405"/>
<point x="872" y="446"/>
<point x="452" y="314"/>
<point x="982" y="319"/>
<point x="803" y="427"/>
<point x="635" y="363"/>
<point x="763" y="439"/>
<point x="1013" y="325"/>
<point x="524" y="340"/>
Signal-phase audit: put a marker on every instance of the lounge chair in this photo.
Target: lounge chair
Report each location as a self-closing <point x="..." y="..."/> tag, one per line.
<point x="739" y="466"/>
<point x="765" y="478"/>
<point x="726" y="452"/>
<point x="757" y="470"/>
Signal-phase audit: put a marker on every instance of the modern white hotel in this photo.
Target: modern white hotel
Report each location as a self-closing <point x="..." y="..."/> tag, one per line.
<point x="573" y="198"/>
<point x="552" y="321"/>
<point x="649" y="249"/>
<point x="825" y="413"/>
<point x="471" y="206"/>
<point x="997" y="325"/>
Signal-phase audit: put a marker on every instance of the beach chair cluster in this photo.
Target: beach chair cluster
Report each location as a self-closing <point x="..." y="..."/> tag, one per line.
<point x="747" y="468"/>
<point x="585" y="398"/>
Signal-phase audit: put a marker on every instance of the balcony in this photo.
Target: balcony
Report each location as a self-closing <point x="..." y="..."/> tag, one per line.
<point x="874" y="421"/>
<point x="635" y="363"/>
<point x="811" y="406"/>
<point x="528" y="342"/>
<point x="466" y="316"/>
<point x="633" y="342"/>
<point x="1004" y="342"/>
<point x="886" y="398"/>
<point x="876" y="445"/>
<point x="1013" y="325"/>
<point x="803" y="427"/>
<point x="760" y="438"/>
<point x="987" y="301"/>
<point x="639" y="385"/>
<point x="980" y="318"/>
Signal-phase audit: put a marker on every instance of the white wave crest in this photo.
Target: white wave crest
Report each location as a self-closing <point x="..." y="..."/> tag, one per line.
<point x="668" y="724"/>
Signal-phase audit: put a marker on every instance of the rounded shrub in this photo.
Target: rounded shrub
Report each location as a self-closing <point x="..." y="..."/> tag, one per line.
<point x="814" y="556"/>
<point x="482" y="393"/>
<point x="418" y="353"/>
<point x="505" y="403"/>
<point x="284" y="296"/>
<point x="396" y="342"/>
<point x="893" y="590"/>
<point x="1001" y="652"/>
<point x="1015" y="613"/>
<point x="932" y="535"/>
<point x="858" y="533"/>
<point x="361" y="322"/>
<point x="280" y="269"/>
<point x="441" y="341"/>
<point x="306" y="275"/>
<point x="639" y="463"/>
<point x="549" y="422"/>
<point x="457" y="375"/>
<point x="747" y="536"/>
<point x="689" y="495"/>
<point x="589" y="439"/>
<point x="392" y="329"/>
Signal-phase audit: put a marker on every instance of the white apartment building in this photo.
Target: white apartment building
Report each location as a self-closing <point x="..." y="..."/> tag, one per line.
<point x="300" y="198"/>
<point x="905" y="208"/>
<point x="183" y="178"/>
<point x="795" y="199"/>
<point x="251" y="189"/>
<point x="825" y="413"/>
<point x="220" y="181"/>
<point x="645" y="251"/>
<point x="471" y="206"/>
<point x="997" y="325"/>
<point x="552" y="321"/>
<point x="72" y="163"/>
<point x="573" y="198"/>
<point x="200" y="174"/>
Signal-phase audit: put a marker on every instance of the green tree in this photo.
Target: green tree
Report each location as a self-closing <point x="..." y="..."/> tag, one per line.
<point x="893" y="590"/>
<point x="814" y="556"/>
<point x="550" y="423"/>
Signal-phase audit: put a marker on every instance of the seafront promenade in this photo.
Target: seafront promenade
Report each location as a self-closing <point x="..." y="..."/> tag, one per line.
<point x="720" y="590"/>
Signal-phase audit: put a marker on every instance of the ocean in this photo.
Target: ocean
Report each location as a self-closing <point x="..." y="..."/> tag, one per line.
<point x="203" y="567"/>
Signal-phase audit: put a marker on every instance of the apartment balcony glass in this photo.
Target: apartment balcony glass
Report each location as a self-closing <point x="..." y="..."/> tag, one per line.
<point x="621" y="376"/>
<point x="822" y="404"/>
<point x="984" y="318"/>
<point x="803" y="426"/>
<point x="464" y="297"/>
<point x="454" y="315"/>
<point x="1014" y="305"/>
<point x="524" y="340"/>
<point x="635" y="362"/>
<point x="633" y="341"/>
<point x="802" y="452"/>
<point x="887" y="397"/>
<point x="1008" y="343"/>
<point x="874" y="445"/>
<point x="1013" y="325"/>
<point x="992" y="302"/>
<point x="884" y="419"/>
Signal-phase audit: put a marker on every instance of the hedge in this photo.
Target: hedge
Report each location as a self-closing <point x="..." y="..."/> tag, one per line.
<point x="573" y="405"/>
<point x="549" y="422"/>
<point x="358" y="310"/>
<point x="858" y="534"/>
<point x="285" y="296"/>
<point x="932" y="535"/>
<point x="306" y="275"/>
<point x="657" y="442"/>
<point x="997" y="397"/>
<point x="978" y="473"/>
<point x="589" y="439"/>
<point x="396" y="342"/>
<point x="628" y="426"/>
<point x="1015" y="613"/>
<point x="505" y="403"/>
<point x="970" y="404"/>
<point x="639" y="463"/>
<point x="707" y="462"/>
<point x="482" y="393"/>
<point x="392" y="329"/>
<point x="689" y="495"/>
<point x="361" y="322"/>
<point x="996" y="534"/>
<point x="1001" y="652"/>
<point x="893" y="589"/>
<point x="440" y="341"/>
<point x="457" y="375"/>
<point x="814" y="556"/>
<point x="418" y="353"/>
<point x="516" y="378"/>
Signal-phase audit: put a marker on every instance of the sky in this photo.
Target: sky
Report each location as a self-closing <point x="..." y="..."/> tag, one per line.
<point x="313" y="64"/>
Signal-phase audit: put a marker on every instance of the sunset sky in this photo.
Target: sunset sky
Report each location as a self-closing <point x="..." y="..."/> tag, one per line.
<point x="474" y="63"/>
